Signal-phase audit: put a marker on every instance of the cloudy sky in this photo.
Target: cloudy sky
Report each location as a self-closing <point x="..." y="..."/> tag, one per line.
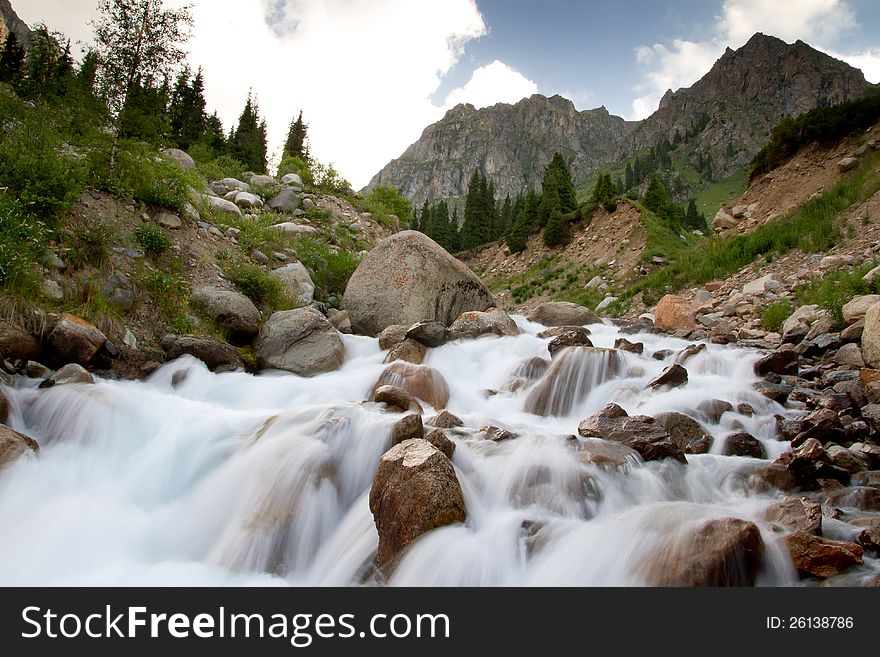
<point x="371" y="74"/>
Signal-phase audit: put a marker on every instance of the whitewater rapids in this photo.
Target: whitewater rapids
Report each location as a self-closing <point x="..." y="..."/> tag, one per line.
<point x="191" y="478"/>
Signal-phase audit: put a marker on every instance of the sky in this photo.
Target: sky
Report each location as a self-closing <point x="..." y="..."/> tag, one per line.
<point x="370" y="75"/>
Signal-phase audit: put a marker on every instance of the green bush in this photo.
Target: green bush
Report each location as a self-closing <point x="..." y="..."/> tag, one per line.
<point x="23" y="238"/>
<point x="775" y="315"/>
<point x="385" y="200"/>
<point x="34" y="169"/>
<point x="170" y="293"/>
<point x="140" y="174"/>
<point x="296" y="165"/>
<point x="330" y="269"/>
<point x="254" y="282"/>
<point x="835" y="289"/>
<point x="90" y="244"/>
<point x="152" y="238"/>
<point x="215" y="167"/>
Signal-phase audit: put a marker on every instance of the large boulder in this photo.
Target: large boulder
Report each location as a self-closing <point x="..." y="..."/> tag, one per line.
<point x="639" y="432"/>
<point x="292" y="179"/>
<point x="821" y="557"/>
<point x="70" y="373"/>
<point x="725" y="552"/>
<point x="296" y="282"/>
<point x="248" y="201"/>
<point x="759" y="286"/>
<point x="15" y="445"/>
<point x="180" y="158"/>
<point x="285" y="201"/>
<point x="429" y="333"/>
<point x="723" y="221"/>
<point x="871" y="337"/>
<point x="804" y="315"/>
<point x="301" y="341"/>
<point x="213" y="354"/>
<point x="422" y="381"/>
<point x="743" y="444"/>
<point x="414" y="491"/>
<point x="473" y="324"/>
<point x="674" y="313"/>
<point x="74" y="340"/>
<point x="231" y="310"/>
<point x="408" y="278"/>
<point x="796" y="514"/>
<point x="562" y="313"/>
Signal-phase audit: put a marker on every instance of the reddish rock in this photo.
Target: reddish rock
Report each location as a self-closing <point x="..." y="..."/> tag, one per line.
<point x="16" y="344"/>
<point x="821" y="557"/>
<point x="673" y="376"/>
<point x="726" y="552"/>
<point x="408" y="427"/>
<point x="407" y="350"/>
<point x="14" y="445"/>
<point x="796" y="514"/>
<point x="398" y="399"/>
<point x="639" y="432"/>
<point x="423" y="382"/>
<point x="674" y="313"/>
<point x="74" y="340"/>
<point x="442" y="442"/>
<point x="414" y="491"/>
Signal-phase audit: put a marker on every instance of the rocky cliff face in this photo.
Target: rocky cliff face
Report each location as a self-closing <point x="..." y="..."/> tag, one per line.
<point x="729" y="113"/>
<point x="747" y="92"/>
<point x="511" y="144"/>
<point x="9" y="20"/>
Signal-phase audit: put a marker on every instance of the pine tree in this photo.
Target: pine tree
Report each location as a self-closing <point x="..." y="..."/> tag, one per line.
<point x="11" y="60"/>
<point x="296" y="144"/>
<point x="213" y="136"/>
<point x="247" y="142"/>
<point x="474" y="213"/>
<point x="693" y="218"/>
<point x="143" y="116"/>
<point x="554" y="233"/>
<point x="454" y="235"/>
<point x="187" y="117"/>
<point x="605" y="193"/>
<point x="628" y="177"/>
<point x="516" y="238"/>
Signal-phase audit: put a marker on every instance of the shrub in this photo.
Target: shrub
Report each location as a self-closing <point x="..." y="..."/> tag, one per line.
<point x="296" y="165"/>
<point x="385" y="200"/>
<point x="170" y="292"/>
<point x="775" y="315"/>
<point x="254" y="282"/>
<point x="215" y="167"/>
<point x="330" y="269"/>
<point x="34" y="169"/>
<point x="90" y="244"/>
<point x="23" y="238"/>
<point x="834" y="289"/>
<point x="152" y="238"/>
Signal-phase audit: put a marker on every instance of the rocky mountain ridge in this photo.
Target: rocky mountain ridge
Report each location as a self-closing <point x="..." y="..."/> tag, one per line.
<point x="9" y="20"/>
<point x="726" y="115"/>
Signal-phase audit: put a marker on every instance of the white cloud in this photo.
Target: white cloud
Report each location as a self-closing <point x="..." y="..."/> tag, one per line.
<point x="68" y="16"/>
<point x="363" y="71"/>
<point x="490" y="84"/>
<point x="680" y="64"/>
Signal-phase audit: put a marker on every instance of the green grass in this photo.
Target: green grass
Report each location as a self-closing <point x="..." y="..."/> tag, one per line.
<point x="330" y="268"/>
<point x="834" y="289"/>
<point x="710" y="199"/>
<point x="152" y="239"/>
<point x="810" y="228"/>
<point x="169" y="291"/>
<point x="775" y="315"/>
<point x="23" y="239"/>
<point x="255" y="282"/>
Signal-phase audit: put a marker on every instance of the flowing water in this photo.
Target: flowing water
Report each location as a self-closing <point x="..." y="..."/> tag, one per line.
<point x="195" y="478"/>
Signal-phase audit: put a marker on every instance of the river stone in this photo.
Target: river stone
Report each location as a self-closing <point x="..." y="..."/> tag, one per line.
<point x="212" y="353"/>
<point x="231" y="310"/>
<point x="71" y="373"/>
<point x="414" y="491"/>
<point x="423" y="382"/>
<point x="292" y="179"/>
<point x="674" y="376"/>
<point x="796" y="514"/>
<point x="429" y="333"/>
<point x="562" y="313"/>
<point x="725" y="552"/>
<point x="301" y="341"/>
<point x="74" y="340"/>
<point x="632" y="347"/>
<point x="14" y="445"/>
<point x="285" y="201"/>
<point x="576" y="337"/>
<point x="296" y="282"/>
<point x="409" y="278"/>
<point x="409" y="351"/>
<point x="683" y="429"/>
<point x="473" y="324"/>
<point x="743" y="444"/>
<point x="392" y="335"/>
<point x="555" y="393"/>
<point x="674" y="313"/>
<point x="442" y="442"/>
<point x="408" y="427"/>
<point x="606" y="454"/>
<point x="445" y="420"/>
<point x="639" y="432"/>
<point x="821" y="557"/>
<point x="398" y="399"/>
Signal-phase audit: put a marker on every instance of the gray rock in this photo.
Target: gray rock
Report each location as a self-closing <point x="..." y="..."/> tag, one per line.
<point x="605" y="303"/>
<point x="301" y="341"/>
<point x="52" y="261"/>
<point x="222" y="205"/>
<point x="181" y="158"/>
<point x="408" y="278"/>
<point x="341" y="321"/>
<point x="562" y="313"/>
<point x="296" y="282"/>
<point x="429" y="333"/>
<point x="261" y="180"/>
<point x="231" y="310"/>
<point x="293" y="229"/>
<point x="285" y="201"/>
<point x="52" y="290"/>
<point x="847" y="164"/>
<point x="639" y="432"/>
<point x="75" y="340"/>
<point x="473" y="324"/>
<point x="871" y="337"/>
<point x="292" y="179"/>
<point x="168" y="220"/>
<point x="248" y="201"/>
<point x="259" y="257"/>
<point x="215" y="355"/>
<point x="683" y="429"/>
<point x="71" y="373"/>
<point x="233" y="184"/>
<point x="849" y="354"/>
